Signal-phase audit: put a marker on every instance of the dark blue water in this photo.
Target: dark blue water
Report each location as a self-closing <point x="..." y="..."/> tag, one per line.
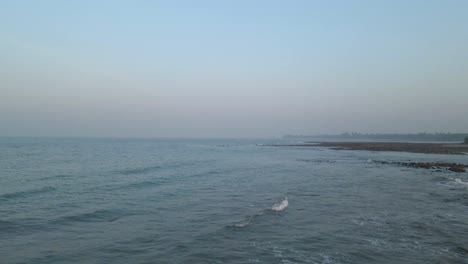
<point x="209" y="201"/>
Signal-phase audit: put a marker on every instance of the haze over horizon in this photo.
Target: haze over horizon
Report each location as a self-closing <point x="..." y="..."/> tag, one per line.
<point x="232" y="68"/>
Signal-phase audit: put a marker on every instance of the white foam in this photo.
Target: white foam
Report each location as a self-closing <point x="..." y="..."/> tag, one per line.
<point x="241" y="224"/>
<point x="281" y="206"/>
<point x="461" y="182"/>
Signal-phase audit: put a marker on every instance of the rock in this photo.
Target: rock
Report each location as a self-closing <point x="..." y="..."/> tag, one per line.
<point x="436" y="166"/>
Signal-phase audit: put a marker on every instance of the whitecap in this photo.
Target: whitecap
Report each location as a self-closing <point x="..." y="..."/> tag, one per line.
<point x="281" y="206"/>
<point x="461" y="182"/>
<point x="241" y="224"/>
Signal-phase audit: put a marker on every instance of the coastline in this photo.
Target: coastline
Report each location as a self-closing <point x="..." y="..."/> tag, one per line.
<point x="427" y="148"/>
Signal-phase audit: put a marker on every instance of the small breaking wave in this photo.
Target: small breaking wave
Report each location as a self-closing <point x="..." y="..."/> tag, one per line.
<point x="278" y="207"/>
<point x="460" y="182"/>
<point x="454" y="183"/>
<point x="242" y="224"/>
<point x="281" y="206"/>
<point x="247" y="220"/>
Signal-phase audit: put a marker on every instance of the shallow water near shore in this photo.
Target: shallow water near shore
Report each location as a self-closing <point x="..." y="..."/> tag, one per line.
<point x="211" y="201"/>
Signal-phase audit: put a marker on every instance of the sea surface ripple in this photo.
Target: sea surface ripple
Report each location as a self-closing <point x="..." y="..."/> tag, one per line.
<point x="224" y="201"/>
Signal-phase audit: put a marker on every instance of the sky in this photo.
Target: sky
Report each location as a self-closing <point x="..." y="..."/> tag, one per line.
<point x="245" y="68"/>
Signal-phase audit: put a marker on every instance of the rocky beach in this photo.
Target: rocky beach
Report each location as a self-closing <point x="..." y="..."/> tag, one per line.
<point x="428" y="148"/>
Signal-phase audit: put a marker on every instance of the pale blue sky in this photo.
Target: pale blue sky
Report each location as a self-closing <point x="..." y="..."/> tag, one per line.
<point x="232" y="68"/>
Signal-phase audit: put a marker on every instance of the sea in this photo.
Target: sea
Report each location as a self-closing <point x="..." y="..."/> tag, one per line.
<point x="115" y="200"/>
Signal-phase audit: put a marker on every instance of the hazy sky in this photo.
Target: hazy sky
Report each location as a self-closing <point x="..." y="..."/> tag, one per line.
<point x="232" y="68"/>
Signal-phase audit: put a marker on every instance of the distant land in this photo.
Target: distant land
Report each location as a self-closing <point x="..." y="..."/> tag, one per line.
<point x="455" y="137"/>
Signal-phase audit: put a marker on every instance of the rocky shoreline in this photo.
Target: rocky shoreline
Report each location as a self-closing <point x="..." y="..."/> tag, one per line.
<point x="429" y="148"/>
<point x="455" y="167"/>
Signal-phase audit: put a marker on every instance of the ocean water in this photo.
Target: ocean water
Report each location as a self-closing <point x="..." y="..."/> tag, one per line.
<point x="224" y="201"/>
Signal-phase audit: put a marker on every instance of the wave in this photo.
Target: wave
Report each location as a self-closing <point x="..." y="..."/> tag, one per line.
<point x="454" y="184"/>
<point x="316" y="160"/>
<point x="148" y="169"/>
<point x="19" y="227"/>
<point x="207" y="173"/>
<point x="460" y="182"/>
<point x="247" y="220"/>
<point x="91" y="217"/>
<point x="9" y="226"/>
<point x="22" y="226"/>
<point x="140" y="185"/>
<point x="228" y="145"/>
<point x="58" y="176"/>
<point x="141" y="170"/>
<point x="25" y="194"/>
<point x="458" y="198"/>
<point x="281" y="206"/>
<point x="241" y="224"/>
